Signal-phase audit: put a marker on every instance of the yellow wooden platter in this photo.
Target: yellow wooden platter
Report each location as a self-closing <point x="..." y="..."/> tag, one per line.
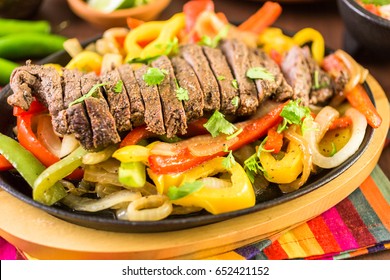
<point x="43" y="236"/>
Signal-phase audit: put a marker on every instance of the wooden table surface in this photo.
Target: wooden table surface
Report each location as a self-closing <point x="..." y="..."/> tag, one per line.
<point x="321" y="15"/>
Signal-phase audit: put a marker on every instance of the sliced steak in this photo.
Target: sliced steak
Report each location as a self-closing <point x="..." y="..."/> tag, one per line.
<point x="186" y="78"/>
<point x="278" y="87"/>
<point x="104" y="131"/>
<point x="153" y="111"/>
<point x="224" y="76"/>
<point x="117" y="98"/>
<point x="78" y="124"/>
<point x="174" y="115"/>
<point x="193" y="54"/>
<point x="137" y="107"/>
<point x="322" y="89"/>
<point x="237" y="55"/>
<point x="297" y="72"/>
<point x="44" y="83"/>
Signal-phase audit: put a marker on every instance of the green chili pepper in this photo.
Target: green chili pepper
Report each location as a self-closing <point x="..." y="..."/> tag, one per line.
<point x="57" y="171"/>
<point x="30" y="45"/>
<point x="29" y="167"/>
<point x="6" y="68"/>
<point x="12" y="26"/>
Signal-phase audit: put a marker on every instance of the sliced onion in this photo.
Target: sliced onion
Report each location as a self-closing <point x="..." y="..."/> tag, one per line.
<point x="357" y="73"/>
<point x="205" y="145"/>
<point x="149" y="208"/>
<point x="292" y="135"/>
<point x="69" y="144"/>
<point x="324" y="119"/>
<point x="47" y="136"/>
<point x="216" y="183"/>
<point x="94" y="205"/>
<point x="163" y="149"/>
<point x="359" y="124"/>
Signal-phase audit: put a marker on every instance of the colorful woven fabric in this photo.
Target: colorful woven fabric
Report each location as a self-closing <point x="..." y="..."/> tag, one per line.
<point x="359" y="224"/>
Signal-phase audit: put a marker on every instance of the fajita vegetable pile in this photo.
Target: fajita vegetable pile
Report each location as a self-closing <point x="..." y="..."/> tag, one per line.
<point x="189" y="114"/>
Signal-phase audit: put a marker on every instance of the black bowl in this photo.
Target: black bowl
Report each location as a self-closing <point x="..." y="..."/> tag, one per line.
<point x="367" y="29"/>
<point x="105" y="220"/>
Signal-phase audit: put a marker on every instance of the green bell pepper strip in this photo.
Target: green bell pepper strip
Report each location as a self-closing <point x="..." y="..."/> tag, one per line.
<point x="12" y="26"/>
<point x="30" y="45"/>
<point x="132" y="174"/>
<point x="57" y="171"/>
<point x="29" y="167"/>
<point x="6" y="67"/>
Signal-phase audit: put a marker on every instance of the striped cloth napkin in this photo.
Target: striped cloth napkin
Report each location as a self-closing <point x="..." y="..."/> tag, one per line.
<point x="358" y="225"/>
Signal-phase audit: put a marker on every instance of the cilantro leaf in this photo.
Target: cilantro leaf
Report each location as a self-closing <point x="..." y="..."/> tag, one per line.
<point x="229" y="160"/>
<point x="92" y="92"/>
<point x="235" y="101"/>
<point x="181" y="93"/>
<point x="221" y="78"/>
<point x="218" y="124"/>
<point x="213" y="42"/>
<point x="259" y="73"/>
<point x="118" y="87"/>
<point x="184" y="190"/>
<point x="252" y="167"/>
<point x="235" y="84"/>
<point x="154" y="76"/>
<point x="295" y="113"/>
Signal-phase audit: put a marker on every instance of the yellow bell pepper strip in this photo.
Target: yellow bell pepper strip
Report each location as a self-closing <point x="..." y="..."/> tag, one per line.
<point x="59" y="170"/>
<point x="132" y="153"/>
<point x="287" y="169"/>
<point x="239" y="195"/>
<point x="29" y="167"/>
<point x="307" y="35"/>
<point x="184" y="160"/>
<point x="273" y="39"/>
<point x="169" y="32"/>
<point x="86" y="61"/>
<point x="158" y="36"/>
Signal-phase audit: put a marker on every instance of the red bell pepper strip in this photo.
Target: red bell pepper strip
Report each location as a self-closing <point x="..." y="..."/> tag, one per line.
<point x="263" y="18"/>
<point x="192" y="9"/>
<point x="342" y="122"/>
<point x="184" y="160"/>
<point x="137" y="134"/>
<point x="35" y="107"/>
<point x="274" y="141"/>
<point x="133" y="22"/>
<point x="28" y="139"/>
<point x="359" y="99"/>
<point x="5" y="164"/>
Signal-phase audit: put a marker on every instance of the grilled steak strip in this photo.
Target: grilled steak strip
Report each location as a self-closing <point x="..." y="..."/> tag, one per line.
<point x="117" y="98"/>
<point x="237" y="55"/>
<point x="321" y="90"/>
<point x="153" y="111"/>
<point x="193" y="54"/>
<point x="174" y="115"/>
<point x="186" y="78"/>
<point x="297" y="72"/>
<point x="104" y="131"/>
<point x="278" y="88"/>
<point x="137" y="107"/>
<point x="224" y="76"/>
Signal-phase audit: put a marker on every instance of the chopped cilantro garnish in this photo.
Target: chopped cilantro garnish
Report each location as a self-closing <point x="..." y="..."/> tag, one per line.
<point x="334" y="150"/>
<point x="92" y="92"/>
<point x="221" y="78"/>
<point x="376" y="2"/>
<point x="293" y="113"/>
<point x="235" y="134"/>
<point x="260" y="73"/>
<point x="235" y="84"/>
<point x="184" y="190"/>
<point x="252" y="167"/>
<point x="229" y="161"/>
<point x="118" y="87"/>
<point x="235" y="101"/>
<point x="154" y="76"/>
<point x="181" y="93"/>
<point x="213" y="42"/>
<point x="218" y="124"/>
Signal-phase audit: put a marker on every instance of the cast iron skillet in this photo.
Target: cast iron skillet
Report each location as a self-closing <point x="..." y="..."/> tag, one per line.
<point x="105" y="220"/>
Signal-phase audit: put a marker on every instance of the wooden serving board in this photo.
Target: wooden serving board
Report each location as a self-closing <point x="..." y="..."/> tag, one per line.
<point x="43" y="236"/>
